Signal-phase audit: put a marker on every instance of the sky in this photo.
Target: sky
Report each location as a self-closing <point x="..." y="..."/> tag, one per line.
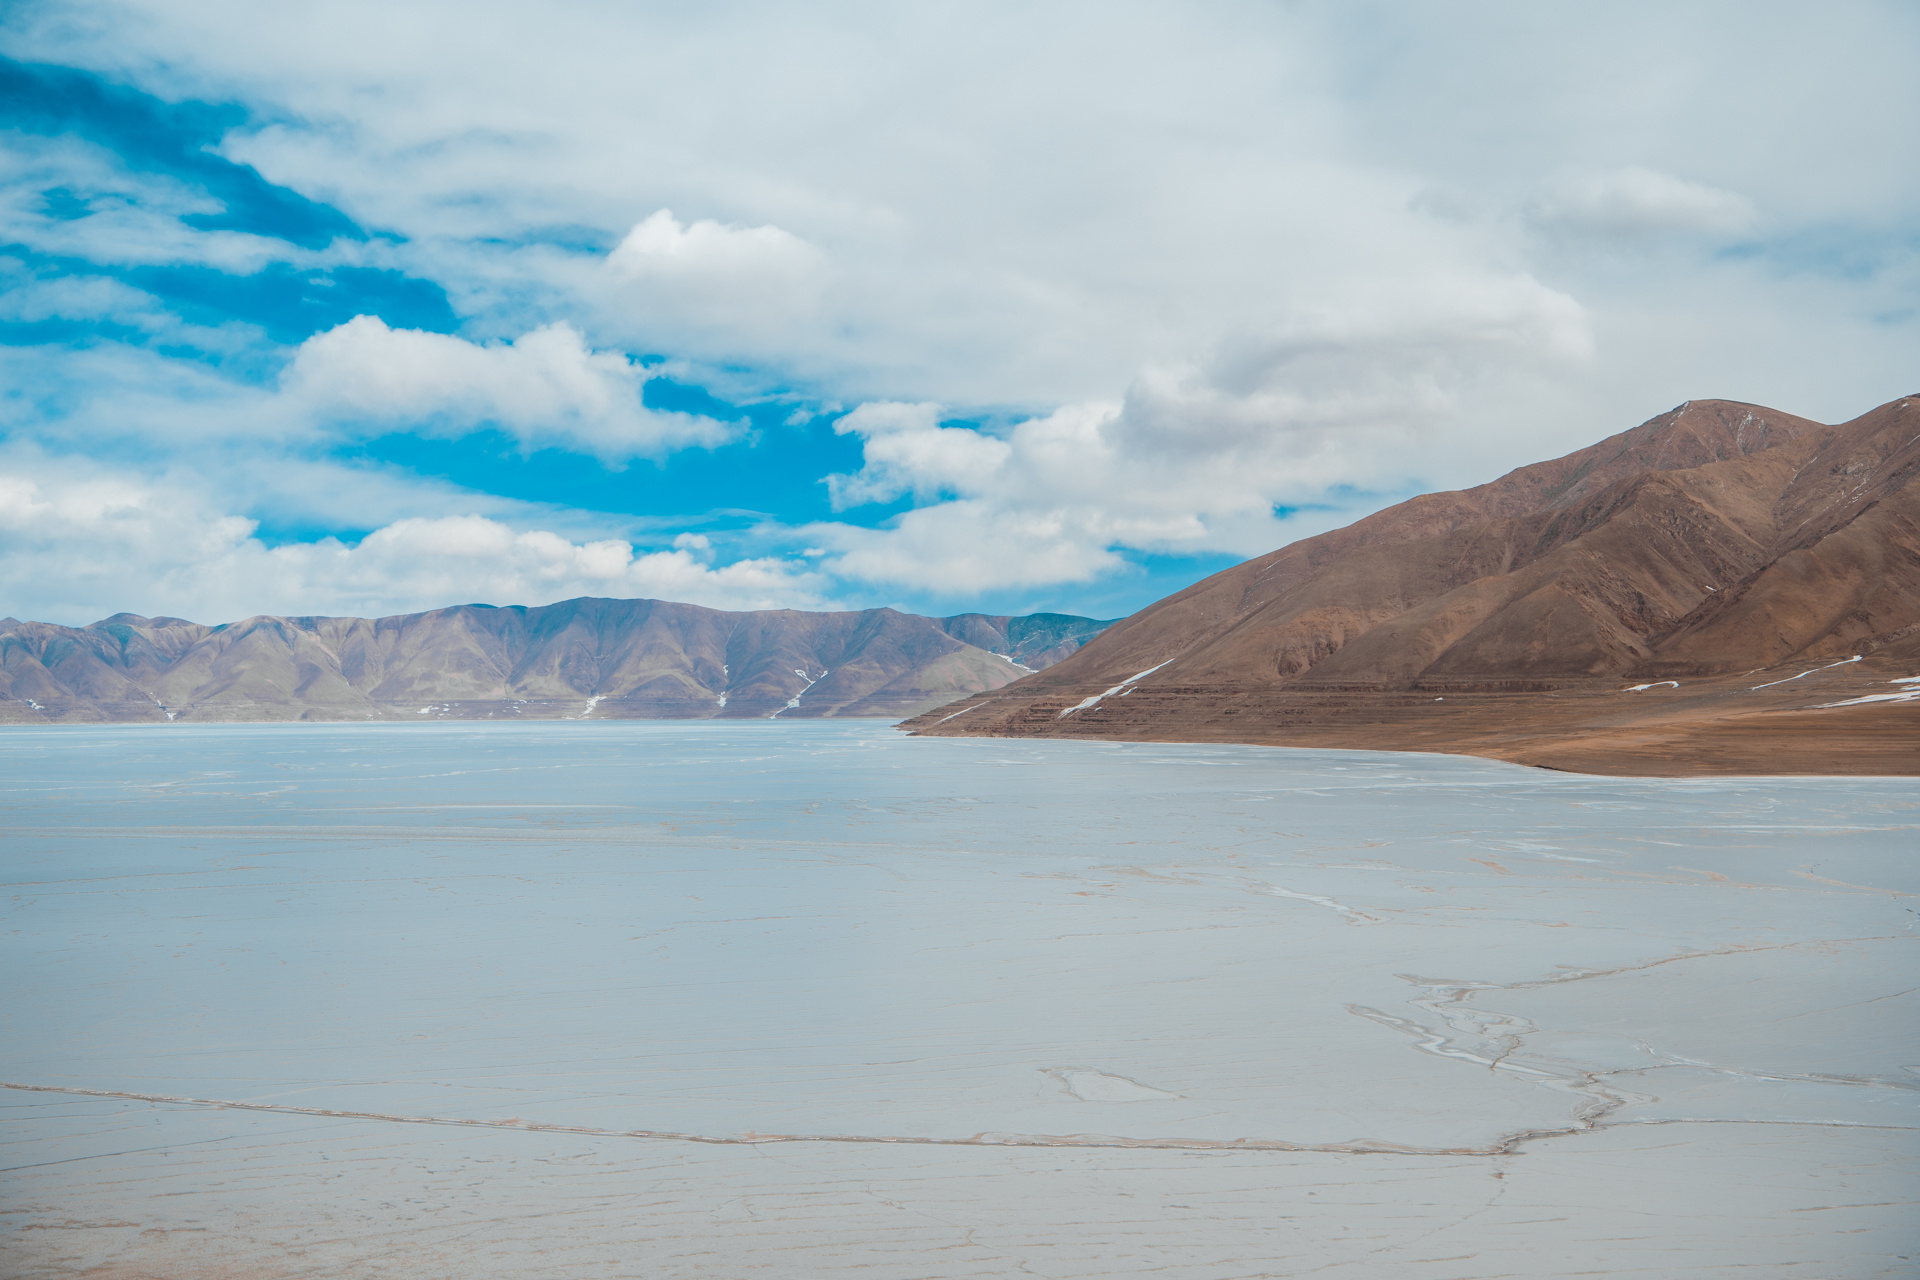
<point x="358" y="308"/>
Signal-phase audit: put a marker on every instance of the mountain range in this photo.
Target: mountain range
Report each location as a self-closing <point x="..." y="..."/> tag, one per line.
<point x="1723" y="588"/>
<point x="579" y="659"/>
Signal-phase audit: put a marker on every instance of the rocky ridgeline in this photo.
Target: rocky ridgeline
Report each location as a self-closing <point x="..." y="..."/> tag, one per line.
<point x="1621" y="594"/>
<point x="580" y="659"/>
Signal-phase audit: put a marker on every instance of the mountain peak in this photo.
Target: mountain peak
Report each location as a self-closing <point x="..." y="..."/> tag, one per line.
<point x="1714" y="539"/>
<point x="587" y="657"/>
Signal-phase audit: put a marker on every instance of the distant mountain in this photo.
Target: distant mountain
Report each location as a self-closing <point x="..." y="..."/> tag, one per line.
<point x="586" y="658"/>
<point x="1716" y="542"/>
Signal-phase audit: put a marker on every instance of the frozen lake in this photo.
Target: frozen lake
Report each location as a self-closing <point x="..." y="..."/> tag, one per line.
<point x="807" y="999"/>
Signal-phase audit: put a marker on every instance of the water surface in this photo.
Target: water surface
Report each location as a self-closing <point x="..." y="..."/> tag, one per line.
<point x="708" y="996"/>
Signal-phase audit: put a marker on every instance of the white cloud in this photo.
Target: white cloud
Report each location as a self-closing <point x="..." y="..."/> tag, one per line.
<point x="361" y="378"/>
<point x="544" y="388"/>
<point x="967" y="545"/>
<point x="113" y="398"/>
<point x="76" y="298"/>
<point x="25" y="299"/>
<point x="717" y="286"/>
<point x="706" y="254"/>
<point x="1636" y="201"/>
<point x="134" y="218"/>
<point x="1196" y="457"/>
<point x="1029" y="206"/>
<point x="69" y="542"/>
<point x="906" y="450"/>
<point x="1201" y="230"/>
<point x="460" y="558"/>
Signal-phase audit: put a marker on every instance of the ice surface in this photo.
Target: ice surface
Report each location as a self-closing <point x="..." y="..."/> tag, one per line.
<point x="688" y="998"/>
<point x="1098" y="1086"/>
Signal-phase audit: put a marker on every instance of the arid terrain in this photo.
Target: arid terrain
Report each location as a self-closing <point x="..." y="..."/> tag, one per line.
<point x="1724" y="589"/>
<point x="587" y="658"/>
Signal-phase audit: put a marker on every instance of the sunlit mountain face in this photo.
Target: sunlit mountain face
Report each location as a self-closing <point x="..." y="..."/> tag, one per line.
<point x="359" y="314"/>
<point x="583" y="659"/>
<point x="1722" y="589"/>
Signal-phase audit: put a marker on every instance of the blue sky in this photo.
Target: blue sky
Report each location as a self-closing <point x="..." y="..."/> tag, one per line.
<point x="369" y="309"/>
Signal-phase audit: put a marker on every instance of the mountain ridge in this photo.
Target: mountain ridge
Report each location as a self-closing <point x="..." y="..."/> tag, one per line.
<point x="1716" y="538"/>
<point x="589" y="657"/>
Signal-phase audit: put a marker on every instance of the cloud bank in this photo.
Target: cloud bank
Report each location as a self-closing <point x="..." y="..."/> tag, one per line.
<point x="976" y="303"/>
<point x="75" y="541"/>
<point x="1635" y="202"/>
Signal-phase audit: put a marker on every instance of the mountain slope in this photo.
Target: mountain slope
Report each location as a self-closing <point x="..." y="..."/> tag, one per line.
<point x="1715" y="539"/>
<point x="585" y="657"/>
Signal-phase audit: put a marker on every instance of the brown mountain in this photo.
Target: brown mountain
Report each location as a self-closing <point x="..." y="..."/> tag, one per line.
<point x="582" y="658"/>
<point x="1701" y="554"/>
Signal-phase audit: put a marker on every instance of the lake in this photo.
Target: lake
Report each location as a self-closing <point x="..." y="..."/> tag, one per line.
<point x="816" y="998"/>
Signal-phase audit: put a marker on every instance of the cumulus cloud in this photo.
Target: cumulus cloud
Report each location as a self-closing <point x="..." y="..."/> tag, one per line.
<point x="877" y="218"/>
<point x="457" y="558"/>
<point x="706" y="253"/>
<point x="906" y="450"/>
<point x="1197" y="457"/>
<point x="547" y="388"/>
<point x="544" y="388"/>
<point x="1176" y="258"/>
<point x="966" y="546"/>
<point x="1634" y="201"/>
<point x="716" y="283"/>
<point x="1058" y="499"/>
<point x="69" y="542"/>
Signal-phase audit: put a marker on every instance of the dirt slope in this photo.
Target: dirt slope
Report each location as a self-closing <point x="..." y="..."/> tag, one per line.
<point x="1716" y="540"/>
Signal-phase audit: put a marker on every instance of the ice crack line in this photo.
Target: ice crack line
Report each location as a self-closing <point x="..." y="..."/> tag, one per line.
<point x="1358" y="1146"/>
<point x="1580" y="975"/>
<point x="1353" y="915"/>
<point x="1492" y="1039"/>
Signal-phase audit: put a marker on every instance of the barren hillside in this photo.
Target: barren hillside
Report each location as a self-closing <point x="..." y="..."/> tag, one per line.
<point x="1598" y="611"/>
